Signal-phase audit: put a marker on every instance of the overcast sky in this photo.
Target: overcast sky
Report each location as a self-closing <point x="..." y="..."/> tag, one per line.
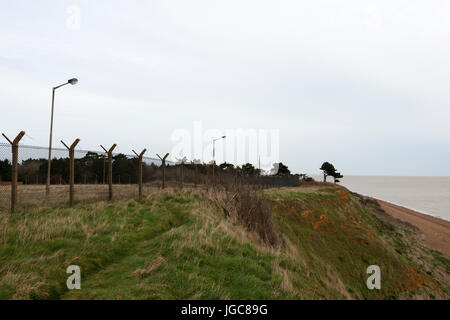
<point x="362" y="84"/>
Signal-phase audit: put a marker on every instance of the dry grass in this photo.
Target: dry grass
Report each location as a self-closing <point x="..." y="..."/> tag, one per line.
<point x="246" y="206"/>
<point x="216" y="244"/>
<point x="147" y="269"/>
<point x="30" y="196"/>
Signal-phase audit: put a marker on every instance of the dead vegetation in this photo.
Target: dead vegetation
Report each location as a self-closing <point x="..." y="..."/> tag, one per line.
<point x="246" y="205"/>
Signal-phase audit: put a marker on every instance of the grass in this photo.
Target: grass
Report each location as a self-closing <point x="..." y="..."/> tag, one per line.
<point x="31" y="196"/>
<point x="157" y="248"/>
<point x="180" y="245"/>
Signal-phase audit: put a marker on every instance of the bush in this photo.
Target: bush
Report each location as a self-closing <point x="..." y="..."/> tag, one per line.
<point x="247" y="206"/>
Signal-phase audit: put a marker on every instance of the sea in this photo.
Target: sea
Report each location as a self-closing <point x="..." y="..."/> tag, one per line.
<point x="429" y="195"/>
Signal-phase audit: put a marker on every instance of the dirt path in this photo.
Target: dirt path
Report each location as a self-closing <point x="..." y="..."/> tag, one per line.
<point x="436" y="231"/>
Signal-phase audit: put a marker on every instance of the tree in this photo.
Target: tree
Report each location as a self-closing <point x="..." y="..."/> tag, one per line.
<point x="92" y="166"/>
<point x="249" y="170"/>
<point x="328" y="170"/>
<point x="226" y="167"/>
<point x="5" y="170"/>
<point x="283" y="170"/>
<point x="29" y="170"/>
<point x="124" y="168"/>
<point x="337" y="176"/>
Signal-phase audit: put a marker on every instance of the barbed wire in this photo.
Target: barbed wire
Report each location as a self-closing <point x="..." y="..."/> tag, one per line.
<point x="25" y="146"/>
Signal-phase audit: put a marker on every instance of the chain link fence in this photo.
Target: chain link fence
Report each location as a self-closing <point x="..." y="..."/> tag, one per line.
<point x="5" y="176"/>
<point x="91" y="178"/>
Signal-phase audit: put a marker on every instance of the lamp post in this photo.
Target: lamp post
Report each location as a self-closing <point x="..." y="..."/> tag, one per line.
<point x="214" y="153"/>
<point x="72" y="81"/>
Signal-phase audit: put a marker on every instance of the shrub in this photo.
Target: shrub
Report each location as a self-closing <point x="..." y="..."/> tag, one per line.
<point x="247" y="206"/>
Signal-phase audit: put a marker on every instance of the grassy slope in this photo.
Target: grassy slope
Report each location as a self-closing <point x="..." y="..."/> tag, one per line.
<point x="179" y="246"/>
<point x="336" y="239"/>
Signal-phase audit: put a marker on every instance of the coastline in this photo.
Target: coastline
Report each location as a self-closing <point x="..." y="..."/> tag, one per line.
<point x="435" y="230"/>
<point x="424" y="194"/>
<point x="403" y="206"/>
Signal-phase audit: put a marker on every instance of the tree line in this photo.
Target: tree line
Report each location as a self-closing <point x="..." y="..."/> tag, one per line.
<point x="93" y="168"/>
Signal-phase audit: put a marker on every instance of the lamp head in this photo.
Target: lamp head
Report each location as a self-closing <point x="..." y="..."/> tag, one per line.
<point x="73" y="81"/>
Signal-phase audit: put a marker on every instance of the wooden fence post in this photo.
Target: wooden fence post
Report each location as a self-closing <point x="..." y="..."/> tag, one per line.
<point x="109" y="152"/>
<point x="163" y="163"/>
<point x="140" y="170"/>
<point x="71" y="169"/>
<point x="15" y="165"/>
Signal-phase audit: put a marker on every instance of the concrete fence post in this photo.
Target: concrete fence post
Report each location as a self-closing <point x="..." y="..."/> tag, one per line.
<point x="163" y="164"/>
<point x="14" y="169"/>
<point x="196" y="162"/>
<point x="181" y="175"/>
<point x="196" y="174"/>
<point x="181" y="163"/>
<point x="140" y="156"/>
<point x="109" y="152"/>
<point x="71" y="170"/>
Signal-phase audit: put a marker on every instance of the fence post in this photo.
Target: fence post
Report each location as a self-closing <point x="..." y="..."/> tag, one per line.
<point x="71" y="169"/>
<point x="14" y="169"/>
<point x="181" y="175"/>
<point x="163" y="163"/>
<point x="196" y="162"/>
<point x="181" y="163"/>
<point x="140" y="170"/>
<point x="109" y="152"/>
<point x="212" y="176"/>
<point x="196" y="174"/>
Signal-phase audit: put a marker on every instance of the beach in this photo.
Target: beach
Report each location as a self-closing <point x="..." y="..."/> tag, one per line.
<point x="435" y="230"/>
<point x="428" y="195"/>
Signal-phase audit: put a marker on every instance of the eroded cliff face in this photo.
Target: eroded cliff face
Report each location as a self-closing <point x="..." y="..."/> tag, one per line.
<point x="197" y="244"/>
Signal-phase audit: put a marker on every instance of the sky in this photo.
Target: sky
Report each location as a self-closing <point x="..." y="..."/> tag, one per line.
<point x="361" y="84"/>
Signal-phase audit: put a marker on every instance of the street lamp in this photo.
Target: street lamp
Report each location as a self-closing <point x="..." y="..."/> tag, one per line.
<point x="72" y="81"/>
<point x="214" y="147"/>
<point x="214" y="152"/>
